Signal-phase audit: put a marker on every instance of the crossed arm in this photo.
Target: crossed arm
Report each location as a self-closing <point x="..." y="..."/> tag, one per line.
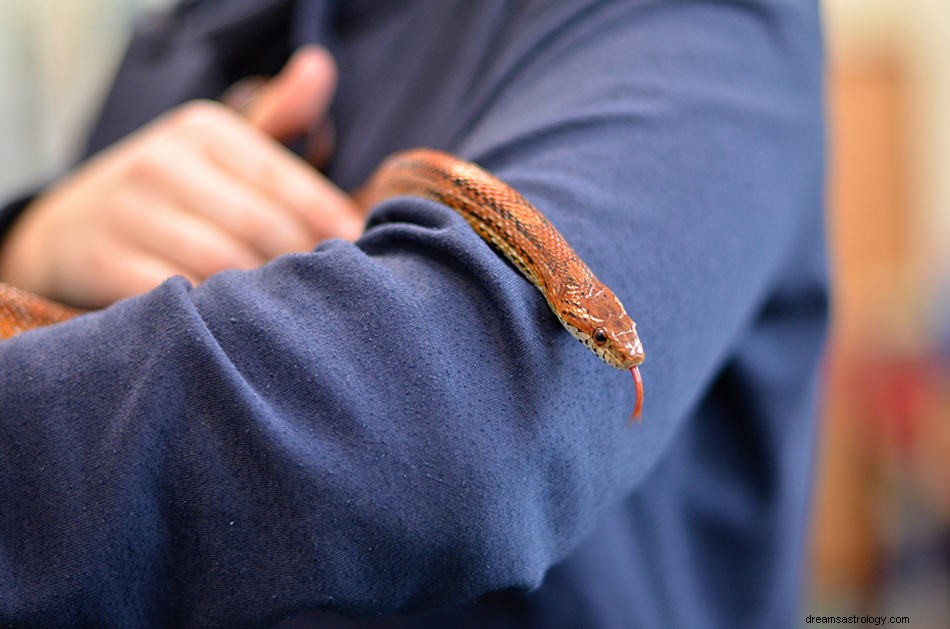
<point x="398" y="423"/>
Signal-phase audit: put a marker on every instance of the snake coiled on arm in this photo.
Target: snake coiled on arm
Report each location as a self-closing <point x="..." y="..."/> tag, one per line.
<point x="500" y="215"/>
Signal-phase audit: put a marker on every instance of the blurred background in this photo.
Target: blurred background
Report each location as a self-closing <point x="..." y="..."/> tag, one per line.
<point x="880" y="535"/>
<point x="56" y="59"/>
<point x="881" y="517"/>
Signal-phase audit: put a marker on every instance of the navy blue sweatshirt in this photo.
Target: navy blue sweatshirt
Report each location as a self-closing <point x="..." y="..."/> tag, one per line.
<point x="399" y="429"/>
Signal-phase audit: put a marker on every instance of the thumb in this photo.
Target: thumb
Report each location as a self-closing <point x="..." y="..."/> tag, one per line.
<point x="292" y="102"/>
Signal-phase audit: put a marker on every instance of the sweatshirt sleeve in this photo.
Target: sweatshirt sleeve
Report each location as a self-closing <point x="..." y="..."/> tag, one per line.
<point x="401" y="423"/>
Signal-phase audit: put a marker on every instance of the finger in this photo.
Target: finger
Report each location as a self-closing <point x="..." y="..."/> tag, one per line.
<point x="140" y="272"/>
<point x="287" y="105"/>
<point x="202" y="187"/>
<point x="129" y="271"/>
<point x="285" y="179"/>
<point x="242" y="96"/>
<point x="181" y="238"/>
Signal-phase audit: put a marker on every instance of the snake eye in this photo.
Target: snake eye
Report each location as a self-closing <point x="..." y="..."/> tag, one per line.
<point x="600" y="337"/>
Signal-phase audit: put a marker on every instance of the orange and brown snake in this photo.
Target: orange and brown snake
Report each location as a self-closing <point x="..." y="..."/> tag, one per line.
<point x="500" y="215"/>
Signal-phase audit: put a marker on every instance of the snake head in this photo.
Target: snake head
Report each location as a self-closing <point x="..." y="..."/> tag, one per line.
<point x="616" y="342"/>
<point x="617" y="345"/>
<point x="605" y="328"/>
<point x="602" y="324"/>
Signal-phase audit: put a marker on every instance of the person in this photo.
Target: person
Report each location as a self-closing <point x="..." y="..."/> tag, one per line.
<point x="391" y="425"/>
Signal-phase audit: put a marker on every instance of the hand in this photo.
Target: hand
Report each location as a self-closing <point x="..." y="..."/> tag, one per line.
<point x="200" y="190"/>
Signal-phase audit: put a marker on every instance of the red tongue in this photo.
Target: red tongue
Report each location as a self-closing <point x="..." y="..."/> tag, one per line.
<point x="638" y="381"/>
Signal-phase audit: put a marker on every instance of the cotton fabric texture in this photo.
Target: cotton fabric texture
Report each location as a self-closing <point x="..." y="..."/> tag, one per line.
<point x="399" y="430"/>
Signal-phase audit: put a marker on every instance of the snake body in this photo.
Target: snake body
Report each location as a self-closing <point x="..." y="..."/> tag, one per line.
<point x="21" y="311"/>
<point x="501" y="216"/>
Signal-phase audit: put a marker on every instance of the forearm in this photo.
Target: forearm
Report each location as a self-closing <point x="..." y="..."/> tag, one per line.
<point x="239" y="416"/>
<point x="401" y="423"/>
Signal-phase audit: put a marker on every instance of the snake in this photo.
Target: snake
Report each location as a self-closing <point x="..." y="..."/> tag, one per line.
<point x="500" y="215"/>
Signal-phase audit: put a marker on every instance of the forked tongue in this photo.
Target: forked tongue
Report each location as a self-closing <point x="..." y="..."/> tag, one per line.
<point x="638" y="406"/>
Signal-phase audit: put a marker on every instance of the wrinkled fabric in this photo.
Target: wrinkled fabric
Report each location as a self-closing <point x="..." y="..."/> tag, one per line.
<point x="399" y="429"/>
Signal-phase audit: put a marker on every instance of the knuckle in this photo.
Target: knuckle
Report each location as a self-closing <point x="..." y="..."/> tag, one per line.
<point x="149" y="165"/>
<point x="197" y="115"/>
<point x="251" y="223"/>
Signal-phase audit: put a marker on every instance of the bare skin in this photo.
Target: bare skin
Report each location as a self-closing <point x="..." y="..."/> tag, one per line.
<point x="200" y="190"/>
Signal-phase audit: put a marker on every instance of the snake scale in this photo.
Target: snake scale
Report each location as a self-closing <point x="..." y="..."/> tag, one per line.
<point x="500" y="215"/>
